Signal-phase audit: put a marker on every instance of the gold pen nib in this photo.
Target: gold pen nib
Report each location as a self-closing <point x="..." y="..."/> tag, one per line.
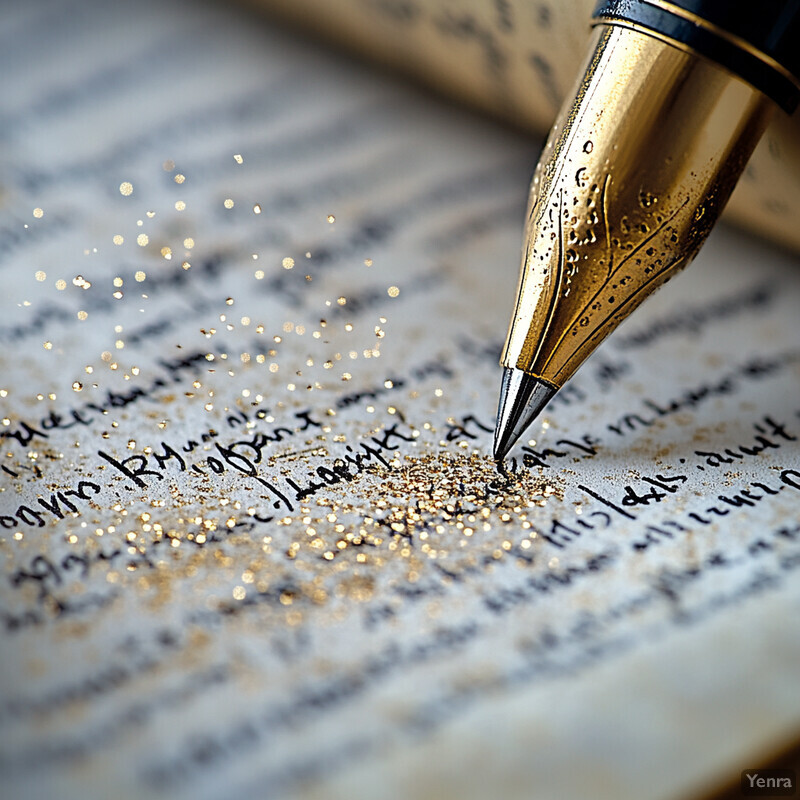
<point x="522" y="399"/>
<point x="637" y="168"/>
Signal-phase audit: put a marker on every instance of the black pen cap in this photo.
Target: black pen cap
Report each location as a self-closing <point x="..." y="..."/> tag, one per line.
<point x="759" y="42"/>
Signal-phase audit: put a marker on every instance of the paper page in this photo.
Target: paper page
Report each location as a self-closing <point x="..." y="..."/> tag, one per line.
<point x="519" y="60"/>
<point x="253" y="541"/>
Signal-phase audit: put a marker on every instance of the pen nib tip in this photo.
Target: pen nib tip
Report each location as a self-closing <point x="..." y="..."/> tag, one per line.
<point x="522" y="398"/>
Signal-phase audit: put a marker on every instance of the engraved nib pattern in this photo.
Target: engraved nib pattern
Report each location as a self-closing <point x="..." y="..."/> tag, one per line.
<point x="522" y="399"/>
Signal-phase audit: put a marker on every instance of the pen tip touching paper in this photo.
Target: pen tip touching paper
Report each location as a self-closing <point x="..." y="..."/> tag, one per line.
<point x="522" y="399"/>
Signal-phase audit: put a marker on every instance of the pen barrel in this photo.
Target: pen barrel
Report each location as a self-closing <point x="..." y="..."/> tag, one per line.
<point x="760" y="44"/>
<point x="632" y="179"/>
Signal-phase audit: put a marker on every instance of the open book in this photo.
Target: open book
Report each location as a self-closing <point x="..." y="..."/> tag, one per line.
<point x="253" y="541"/>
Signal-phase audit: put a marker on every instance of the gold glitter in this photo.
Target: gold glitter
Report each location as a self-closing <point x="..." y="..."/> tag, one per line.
<point x="273" y="367"/>
<point x="48" y="345"/>
<point x="180" y="205"/>
<point x="118" y="281"/>
<point x="188" y="243"/>
<point x="140" y="275"/>
<point x="367" y="262"/>
<point x="38" y="213"/>
<point x="259" y="274"/>
<point x="89" y="369"/>
<point x="40" y="275"/>
<point x="331" y="219"/>
<point x="256" y="209"/>
<point x="393" y="291"/>
<point x="77" y="386"/>
<point x="126" y="188"/>
<point x="228" y="202"/>
<point x="118" y="239"/>
<point x="151" y="214"/>
<point x="142" y="240"/>
<point x="180" y="178"/>
<point x="238" y="159"/>
<point x="119" y="344"/>
<point x="168" y="165"/>
<point x="287" y="263"/>
<point x="82" y="315"/>
<point x="61" y="284"/>
<point x="105" y="355"/>
<point x="166" y="252"/>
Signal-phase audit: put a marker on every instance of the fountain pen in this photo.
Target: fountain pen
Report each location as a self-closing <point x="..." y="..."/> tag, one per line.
<point x="643" y="156"/>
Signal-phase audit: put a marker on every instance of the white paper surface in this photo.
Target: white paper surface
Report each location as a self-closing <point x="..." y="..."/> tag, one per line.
<point x="253" y="542"/>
